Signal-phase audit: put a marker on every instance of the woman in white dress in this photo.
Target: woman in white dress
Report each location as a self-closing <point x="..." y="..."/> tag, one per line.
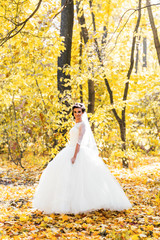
<point x="77" y="180"/>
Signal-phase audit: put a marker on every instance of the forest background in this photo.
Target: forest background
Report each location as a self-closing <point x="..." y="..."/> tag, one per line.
<point x="113" y="67"/>
<point x="53" y="54"/>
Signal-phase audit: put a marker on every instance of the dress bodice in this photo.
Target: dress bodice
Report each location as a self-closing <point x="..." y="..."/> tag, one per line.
<point x="74" y="134"/>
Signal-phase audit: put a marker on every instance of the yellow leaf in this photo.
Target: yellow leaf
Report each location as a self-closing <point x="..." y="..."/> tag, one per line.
<point x="135" y="237"/>
<point x="64" y="217"/>
<point x="47" y="219"/>
<point x="24" y="218"/>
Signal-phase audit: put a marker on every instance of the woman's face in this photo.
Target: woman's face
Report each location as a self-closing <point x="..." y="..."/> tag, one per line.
<point x="77" y="114"/>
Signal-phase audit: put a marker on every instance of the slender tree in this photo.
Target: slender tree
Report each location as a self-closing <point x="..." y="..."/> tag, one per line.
<point x="85" y="35"/>
<point x="154" y="29"/>
<point x="121" y="120"/>
<point x="66" y="29"/>
<point x="137" y="54"/>
<point x="144" y="52"/>
<point x="80" y="66"/>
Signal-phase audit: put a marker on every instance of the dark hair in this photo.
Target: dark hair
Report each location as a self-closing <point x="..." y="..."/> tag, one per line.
<point x="78" y="105"/>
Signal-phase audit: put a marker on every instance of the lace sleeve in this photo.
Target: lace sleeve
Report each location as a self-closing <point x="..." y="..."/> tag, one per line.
<point x="81" y="133"/>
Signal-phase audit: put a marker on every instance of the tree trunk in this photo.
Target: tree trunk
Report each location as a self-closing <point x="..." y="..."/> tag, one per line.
<point x="85" y="36"/>
<point x="80" y="66"/>
<point x="123" y="125"/>
<point x="91" y="96"/>
<point x="64" y="60"/>
<point x="154" y="30"/>
<point x="137" y="55"/>
<point x="137" y="58"/>
<point x="82" y="22"/>
<point x="103" y="42"/>
<point x="144" y="52"/>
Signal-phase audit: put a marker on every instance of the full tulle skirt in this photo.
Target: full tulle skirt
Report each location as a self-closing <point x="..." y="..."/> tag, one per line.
<point x="75" y="188"/>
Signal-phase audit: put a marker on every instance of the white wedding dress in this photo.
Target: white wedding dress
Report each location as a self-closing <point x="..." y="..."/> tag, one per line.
<point x="83" y="186"/>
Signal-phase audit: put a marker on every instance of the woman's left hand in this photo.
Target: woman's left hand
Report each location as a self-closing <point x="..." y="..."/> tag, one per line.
<point x="73" y="159"/>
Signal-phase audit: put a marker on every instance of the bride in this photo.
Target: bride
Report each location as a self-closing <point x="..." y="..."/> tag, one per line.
<point x="77" y="180"/>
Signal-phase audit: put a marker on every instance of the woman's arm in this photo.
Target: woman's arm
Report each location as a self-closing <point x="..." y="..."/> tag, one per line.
<point x="75" y="153"/>
<point x="81" y="133"/>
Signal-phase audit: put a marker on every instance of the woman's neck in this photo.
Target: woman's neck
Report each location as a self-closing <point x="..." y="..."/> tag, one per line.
<point x="78" y="121"/>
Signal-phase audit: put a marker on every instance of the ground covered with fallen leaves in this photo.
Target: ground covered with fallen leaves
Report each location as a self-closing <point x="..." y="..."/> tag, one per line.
<point x="19" y="221"/>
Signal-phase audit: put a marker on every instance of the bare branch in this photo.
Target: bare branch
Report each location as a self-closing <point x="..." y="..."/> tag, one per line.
<point x="17" y="30"/>
<point x="131" y="9"/>
<point x="10" y="36"/>
<point x="36" y="9"/>
<point x="11" y="33"/>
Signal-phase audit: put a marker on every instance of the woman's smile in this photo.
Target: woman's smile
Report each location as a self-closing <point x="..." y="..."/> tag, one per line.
<point x="78" y="114"/>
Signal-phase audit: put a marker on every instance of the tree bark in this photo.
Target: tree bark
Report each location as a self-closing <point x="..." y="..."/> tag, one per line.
<point x="154" y="30"/>
<point x="66" y="29"/>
